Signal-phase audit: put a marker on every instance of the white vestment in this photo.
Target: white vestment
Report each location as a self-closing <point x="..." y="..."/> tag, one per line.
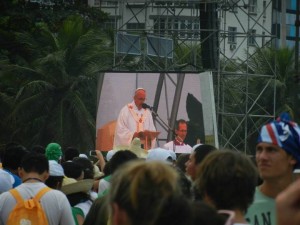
<point x="185" y="148"/>
<point x="132" y="120"/>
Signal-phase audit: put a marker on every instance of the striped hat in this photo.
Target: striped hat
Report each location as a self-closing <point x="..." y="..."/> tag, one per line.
<point x="284" y="133"/>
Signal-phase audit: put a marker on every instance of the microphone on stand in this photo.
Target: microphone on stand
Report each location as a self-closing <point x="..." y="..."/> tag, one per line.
<point x="160" y="121"/>
<point x="145" y="106"/>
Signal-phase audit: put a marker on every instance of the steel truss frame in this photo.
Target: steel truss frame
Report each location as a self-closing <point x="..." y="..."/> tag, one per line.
<point x="240" y="111"/>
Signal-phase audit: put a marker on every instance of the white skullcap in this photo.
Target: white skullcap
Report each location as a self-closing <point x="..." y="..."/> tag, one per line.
<point x="55" y="169"/>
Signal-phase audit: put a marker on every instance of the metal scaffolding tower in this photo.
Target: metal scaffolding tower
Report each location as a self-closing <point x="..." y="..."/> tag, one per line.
<point x="168" y="36"/>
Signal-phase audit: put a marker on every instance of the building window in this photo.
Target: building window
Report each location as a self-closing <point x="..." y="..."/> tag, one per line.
<point x="252" y="6"/>
<point x="196" y="29"/>
<point x="135" y="26"/>
<point x="232" y="35"/>
<point x="184" y="28"/>
<point x="251" y="38"/>
<point x="110" y="24"/>
<point x="109" y="4"/>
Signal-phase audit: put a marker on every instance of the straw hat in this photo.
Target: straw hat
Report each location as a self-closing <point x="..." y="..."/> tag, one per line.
<point x="136" y="148"/>
<point x="71" y="186"/>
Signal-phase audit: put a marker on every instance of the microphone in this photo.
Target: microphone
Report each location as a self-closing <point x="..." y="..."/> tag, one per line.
<point x="145" y="106"/>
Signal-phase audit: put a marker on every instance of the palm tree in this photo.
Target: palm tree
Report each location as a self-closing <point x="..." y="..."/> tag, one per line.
<point x="55" y="97"/>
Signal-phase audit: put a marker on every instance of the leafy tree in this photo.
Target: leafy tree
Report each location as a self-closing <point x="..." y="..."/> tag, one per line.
<point x="54" y="89"/>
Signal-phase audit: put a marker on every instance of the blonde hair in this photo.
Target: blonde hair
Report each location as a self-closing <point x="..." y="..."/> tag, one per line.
<point x="143" y="189"/>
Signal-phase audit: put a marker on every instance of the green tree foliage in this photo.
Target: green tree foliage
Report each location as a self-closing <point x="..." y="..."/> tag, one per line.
<point x="49" y="92"/>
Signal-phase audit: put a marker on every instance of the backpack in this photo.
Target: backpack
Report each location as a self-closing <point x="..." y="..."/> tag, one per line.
<point x="28" y="211"/>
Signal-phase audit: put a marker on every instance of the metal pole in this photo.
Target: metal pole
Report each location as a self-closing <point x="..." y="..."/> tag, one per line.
<point x="297" y="23"/>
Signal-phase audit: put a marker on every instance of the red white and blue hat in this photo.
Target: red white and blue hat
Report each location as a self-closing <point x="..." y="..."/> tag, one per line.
<point x="284" y="133"/>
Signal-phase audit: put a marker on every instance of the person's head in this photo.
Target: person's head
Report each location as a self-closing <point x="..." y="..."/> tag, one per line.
<point x="71" y="153"/>
<point x="140" y="191"/>
<point x="87" y="166"/>
<point x="119" y="158"/>
<point x="139" y="97"/>
<point x="205" y="214"/>
<point x="38" y="149"/>
<point x="160" y="154"/>
<point x="77" y="191"/>
<point x="34" y="163"/>
<point x="56" y="175"/>
<point x="227" y="180"/>
<point x="53" y="152"/>
<point x="181" y="161"/>
<point x="12" y="157"/>
<point x="73" y="170"/>
<point x="278" y="148"/>
<point x="181" y="129"/>
<point x="196" y="157"/>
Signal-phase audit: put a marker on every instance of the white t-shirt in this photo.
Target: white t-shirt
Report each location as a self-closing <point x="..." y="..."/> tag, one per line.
<point x="55" y="204"/>
<point x="6" y="181"/>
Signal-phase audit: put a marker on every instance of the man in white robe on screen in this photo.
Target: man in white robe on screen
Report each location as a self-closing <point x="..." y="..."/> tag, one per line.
<point x="132" y="120"/>
<point x="177" y="145"/>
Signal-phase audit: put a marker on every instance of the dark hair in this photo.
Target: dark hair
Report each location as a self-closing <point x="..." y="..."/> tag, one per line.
<point x="38" y="149"/>
<point x="72" y="169"/>
<point x="179" y="122"/>
<point x="54" y="182"/>
<point x="71" y="153"/>
<point x="87" y="166"/>
<point x="185" y="184"/>
<point x="181" y="160"/>
<point x="177" y="210"/>
<point x="78" y="197"/>
<point x="204" y="214"/>
<point x="35" y="162"/>
<point x="229" y="178"/>
<point x="202" y="151"/>
<point x="106" y="169"/>
<point x="119" y="158"/>
<point x="13" y="156"/>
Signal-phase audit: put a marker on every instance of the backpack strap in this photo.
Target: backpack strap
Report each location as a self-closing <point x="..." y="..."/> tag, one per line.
<point x="40" y="194"/>
<point x="16" y="195"/>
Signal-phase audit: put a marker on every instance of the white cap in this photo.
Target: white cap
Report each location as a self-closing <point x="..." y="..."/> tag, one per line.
<point x="159" y="154"/>
<point x="55" y="169"/>
<point x="83" y="156"/>
<point x="110" y="154"/>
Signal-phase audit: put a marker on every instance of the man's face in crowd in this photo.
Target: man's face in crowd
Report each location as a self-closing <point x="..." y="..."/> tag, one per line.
<point x="139" y="98"/>
<point x="272" y="161"/>
<point x="190" y="166"/>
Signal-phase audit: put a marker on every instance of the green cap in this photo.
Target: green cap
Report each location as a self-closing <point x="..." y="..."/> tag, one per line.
<point x="53" y="151"/>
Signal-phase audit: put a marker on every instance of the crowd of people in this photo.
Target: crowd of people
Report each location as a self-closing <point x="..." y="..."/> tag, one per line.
<point x="174" y="184"/>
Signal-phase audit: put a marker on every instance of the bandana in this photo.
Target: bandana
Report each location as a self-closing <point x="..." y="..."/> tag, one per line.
<point x="53" y="151"/>
<point x="284" y="133"/>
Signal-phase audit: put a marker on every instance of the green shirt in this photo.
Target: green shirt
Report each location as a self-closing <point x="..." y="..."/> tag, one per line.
<point x="262" y="211"/>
